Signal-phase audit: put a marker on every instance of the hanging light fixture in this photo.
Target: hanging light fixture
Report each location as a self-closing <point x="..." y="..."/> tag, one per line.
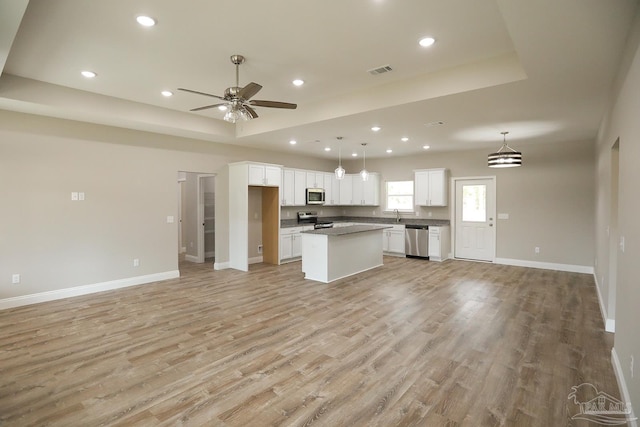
<point x="364" y="174"/>
<point x="505" y="157"/>
<point x="339" y="170"/>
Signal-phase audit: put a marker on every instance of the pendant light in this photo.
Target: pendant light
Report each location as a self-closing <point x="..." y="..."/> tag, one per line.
<point x="339" y="170"/>
<point x="505" y="157"/>
<point x="364" y="174"/>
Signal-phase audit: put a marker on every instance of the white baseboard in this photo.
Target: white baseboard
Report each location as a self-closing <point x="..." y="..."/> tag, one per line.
<point x="624" y="391"/>
<point x="210" y="254"/>
<point x="609" y="324"/>
<point x="191" y="258"/>
<point x="255" y="260"/>
<point x="221" y="265"/>
<point x="85" y="289"/>
<point x="545" y="265"/>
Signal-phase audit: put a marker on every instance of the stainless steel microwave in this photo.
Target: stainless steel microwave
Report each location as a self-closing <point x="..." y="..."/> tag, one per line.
<point x="315" y="196"/>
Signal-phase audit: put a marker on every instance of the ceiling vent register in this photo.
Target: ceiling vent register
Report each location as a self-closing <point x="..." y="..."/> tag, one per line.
<point x="380" y="70"/>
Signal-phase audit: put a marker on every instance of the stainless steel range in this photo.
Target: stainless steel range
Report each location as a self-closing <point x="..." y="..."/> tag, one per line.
<point x="308" y="218"/>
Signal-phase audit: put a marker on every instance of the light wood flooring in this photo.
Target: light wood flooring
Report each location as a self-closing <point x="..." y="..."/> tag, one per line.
<point x="413" y="343"/>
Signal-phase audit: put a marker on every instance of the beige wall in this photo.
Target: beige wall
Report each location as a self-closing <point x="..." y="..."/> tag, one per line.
<point x="549" y="199"/>
<point x="621" y="298"/>
<point x="129" y="178"/>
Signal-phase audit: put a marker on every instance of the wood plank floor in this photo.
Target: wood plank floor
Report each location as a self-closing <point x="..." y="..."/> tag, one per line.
<point x="412" y="343"/>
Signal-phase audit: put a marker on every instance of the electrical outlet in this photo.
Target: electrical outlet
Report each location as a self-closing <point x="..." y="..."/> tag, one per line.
<point x="15" y="279"/>
<point x="417" y="213"/>
<point x="74" y="196"/>
<point x="537" y="250"/>
<point x="81" y="196"/>
<point x="430" y="214"/>
<point x="259" y="249"/>
<point x="136" y="262"/>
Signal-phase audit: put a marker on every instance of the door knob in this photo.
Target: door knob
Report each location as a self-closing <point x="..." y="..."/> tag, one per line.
<point x="490" y="225"/>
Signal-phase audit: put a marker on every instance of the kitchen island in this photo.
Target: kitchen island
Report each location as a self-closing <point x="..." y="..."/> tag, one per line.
<point x="333" y="253"/>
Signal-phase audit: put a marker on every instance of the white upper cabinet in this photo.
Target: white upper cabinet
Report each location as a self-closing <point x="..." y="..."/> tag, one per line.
<point x="328" y="188"/>
<point x="293" y="187"/>
<point x="346" y="190"/>
<point x="431" y="187"/>
<point x="315" y="179"/>
<point x="265" y="175"/>
<point x="366" y="193"/>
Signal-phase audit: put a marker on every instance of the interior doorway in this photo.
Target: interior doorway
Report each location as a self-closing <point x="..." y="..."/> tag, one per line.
<point x="474" y="220"/>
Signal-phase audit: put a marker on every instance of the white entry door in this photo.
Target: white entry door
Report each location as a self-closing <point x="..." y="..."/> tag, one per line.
<point x="475" y="236"/>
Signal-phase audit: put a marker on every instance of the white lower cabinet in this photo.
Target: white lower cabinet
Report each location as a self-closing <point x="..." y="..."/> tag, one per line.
<point x="393" y="240"/>
<point x="291" y="242"/>
<point x="439" y="243"/>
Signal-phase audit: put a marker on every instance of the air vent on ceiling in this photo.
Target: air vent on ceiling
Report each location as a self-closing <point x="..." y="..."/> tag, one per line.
<point x="380" y="70"/>
<point x="438" y="123"/>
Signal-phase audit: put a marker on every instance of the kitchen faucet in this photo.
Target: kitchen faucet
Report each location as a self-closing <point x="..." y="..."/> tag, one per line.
<point x="397" y="215"/>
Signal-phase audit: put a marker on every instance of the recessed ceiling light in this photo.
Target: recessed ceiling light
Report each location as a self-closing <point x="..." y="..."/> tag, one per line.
<point x="404" y="139"/>
<point x="298" y="82"/>
<point x="426" y="147"/>
<point x="376" y="128"/>
<point x="427" y="41"/>
<point x="222" y="107"/>
<point x="327" y="148"/>
<point x="389" y="151"/>
<point x="293" y="142"/>
<point x="88" y="74"/>
<point x="166" y="93"/>
<point x="146" y="21"/>
<point x="354" y="154"/>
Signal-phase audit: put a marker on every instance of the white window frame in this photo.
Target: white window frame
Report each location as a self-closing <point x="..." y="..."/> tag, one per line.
<point x="386" y="196"/>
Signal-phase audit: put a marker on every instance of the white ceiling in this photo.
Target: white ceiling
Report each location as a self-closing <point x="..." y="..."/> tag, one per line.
<point x="541" y="69"/>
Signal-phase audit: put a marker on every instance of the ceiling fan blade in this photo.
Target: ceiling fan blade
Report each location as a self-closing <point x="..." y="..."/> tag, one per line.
<point x="251" y="111"/>
<point x="201" y="93"/>
<point x="206" y="107"/>
<point x="249" y="90"/>
<point x="273" y="104"/>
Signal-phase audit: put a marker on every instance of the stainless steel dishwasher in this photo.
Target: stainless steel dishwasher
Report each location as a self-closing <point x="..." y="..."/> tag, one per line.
<point x="416" y="241"/>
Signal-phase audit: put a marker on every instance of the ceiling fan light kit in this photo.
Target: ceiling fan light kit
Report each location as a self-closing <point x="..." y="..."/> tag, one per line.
<point x="505" y="157"/>
<point x="237" y="100"/>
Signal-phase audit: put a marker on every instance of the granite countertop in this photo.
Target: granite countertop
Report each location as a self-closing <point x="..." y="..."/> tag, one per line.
<point x="287" y="223"/>
<point x="351" y="229"/>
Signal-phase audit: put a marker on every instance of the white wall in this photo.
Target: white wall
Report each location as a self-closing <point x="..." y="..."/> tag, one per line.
<point x="621" y="124"/>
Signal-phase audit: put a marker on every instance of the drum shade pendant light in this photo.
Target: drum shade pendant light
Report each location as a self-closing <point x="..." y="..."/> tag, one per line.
<point x="364" y="174"/>
<point x="339" y="170"/>
<point x="505" y="157"/>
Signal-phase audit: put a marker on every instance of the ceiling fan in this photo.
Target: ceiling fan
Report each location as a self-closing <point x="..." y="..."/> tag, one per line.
<point x="238" y="99"/>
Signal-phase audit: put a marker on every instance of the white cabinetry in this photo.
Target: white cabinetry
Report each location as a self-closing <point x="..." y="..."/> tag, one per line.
<point x="439" y="243"/>
<point x="293" y="187"/>
<point x="331" y="190"/>
<point x="366" y="193"/>
<point x="346" y="190"/>
<point x="393" y="240"/>
<point x="291" y="242"/>
<point x="315" y="179"/>
<point x="431" y="187"/>
<point x="267" y="175"/>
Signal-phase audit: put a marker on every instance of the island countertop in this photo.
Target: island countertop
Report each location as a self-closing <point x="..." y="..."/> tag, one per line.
<point x="350" y="229"/>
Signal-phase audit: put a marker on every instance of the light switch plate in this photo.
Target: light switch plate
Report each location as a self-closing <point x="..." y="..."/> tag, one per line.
<point x="503" y="216"/>
<point x="74" y="195"/>
<point x="170" y="219"/>
<point x="81" y="195"/>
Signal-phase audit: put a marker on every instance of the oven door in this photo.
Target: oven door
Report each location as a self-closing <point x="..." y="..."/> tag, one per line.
<point x="315" y="196"/>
